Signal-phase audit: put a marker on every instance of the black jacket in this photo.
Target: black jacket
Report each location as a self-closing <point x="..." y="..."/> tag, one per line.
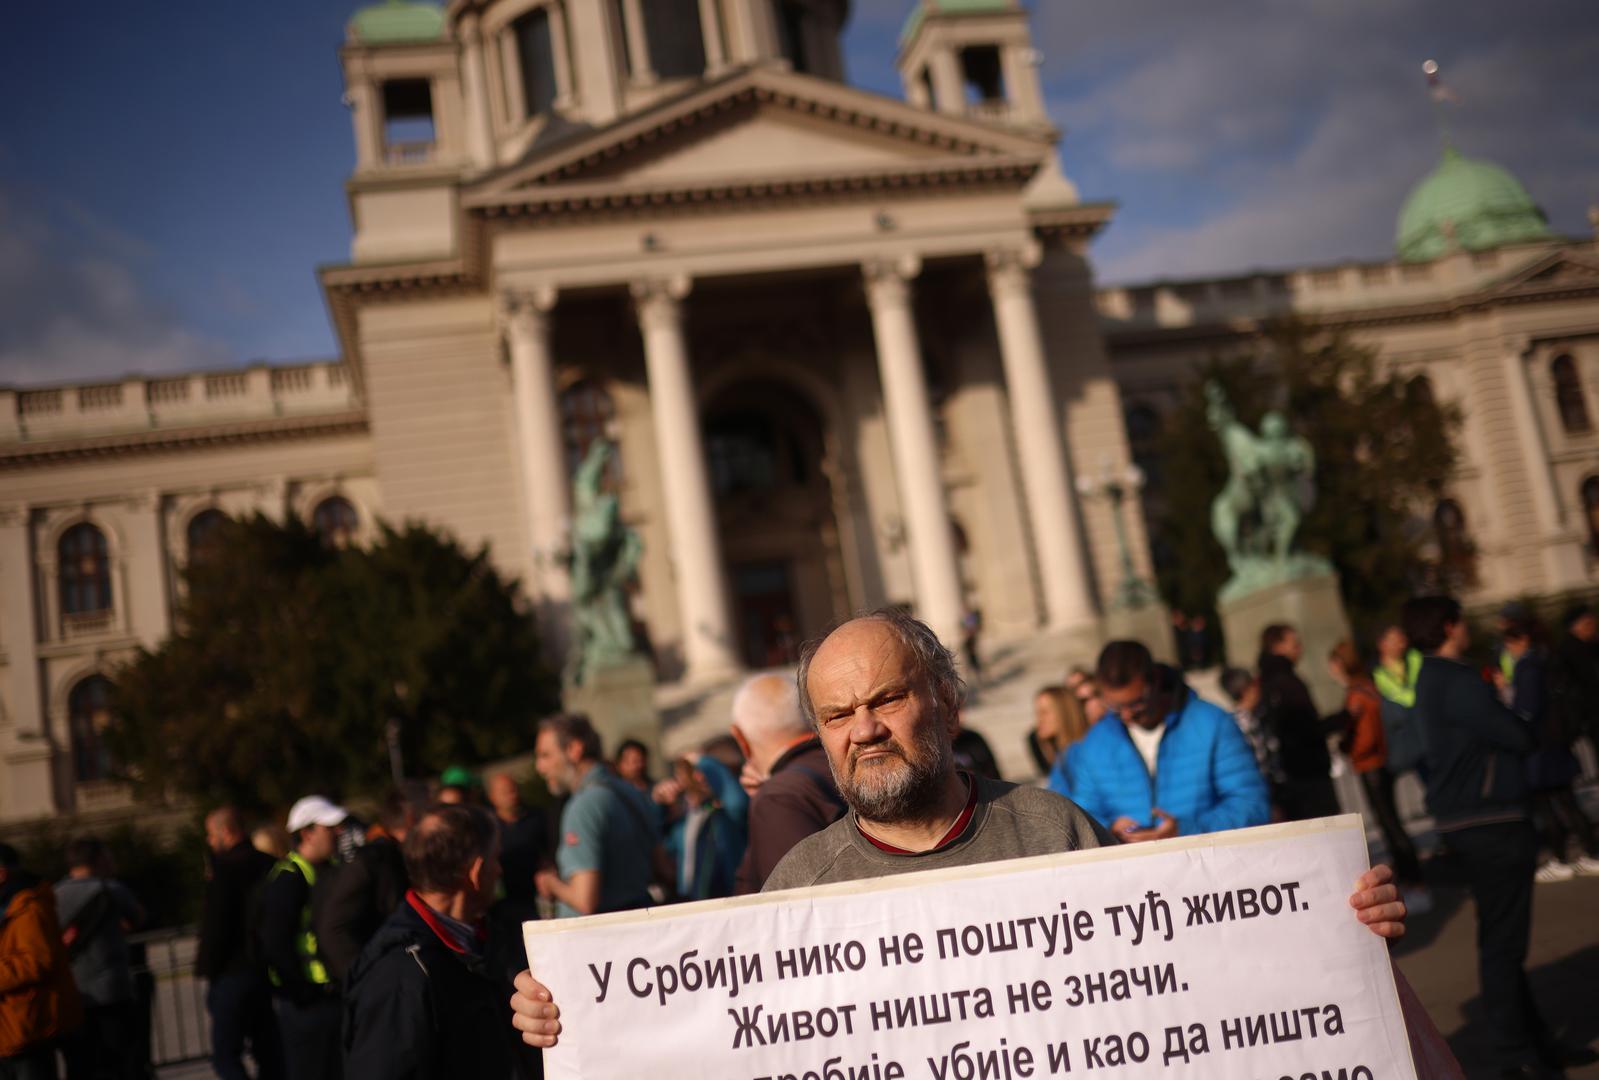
<point x="285" y="896"/>
<point x="1476" y="748"/>
<point x="798" y="798"/>
<point x="364" y="893"/>
<point x="414" y="1009"/>
<point x="226" y="945"/>
<point x="1574" y="688"/>
<point x="1289" y="712"/>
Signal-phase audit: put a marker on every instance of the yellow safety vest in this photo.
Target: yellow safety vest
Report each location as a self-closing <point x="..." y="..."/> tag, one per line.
<point x="305" y="941"/>
<point x="1507" y="666"/>
<point x="1388" y="684"/>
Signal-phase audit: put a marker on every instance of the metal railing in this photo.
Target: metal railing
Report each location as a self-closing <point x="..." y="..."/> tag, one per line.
<point x="180" y="1026"/>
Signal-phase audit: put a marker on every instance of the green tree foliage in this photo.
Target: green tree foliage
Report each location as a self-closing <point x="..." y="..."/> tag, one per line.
<point x="1384" y="449"/>
<point x="291" y="655"/>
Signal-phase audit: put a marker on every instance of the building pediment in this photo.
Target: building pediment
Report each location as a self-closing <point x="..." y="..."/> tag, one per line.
<point x="1554" y="271"/>
<point x="755" y="129"/>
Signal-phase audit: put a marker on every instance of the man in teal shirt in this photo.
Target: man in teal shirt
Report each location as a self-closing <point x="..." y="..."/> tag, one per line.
<point x="609" y="831"/>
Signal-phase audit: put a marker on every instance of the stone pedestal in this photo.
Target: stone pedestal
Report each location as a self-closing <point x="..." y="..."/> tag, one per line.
<point x="620" y="701"/>
<point x="1150" y="625"/>
<point x="1310" y="605"/>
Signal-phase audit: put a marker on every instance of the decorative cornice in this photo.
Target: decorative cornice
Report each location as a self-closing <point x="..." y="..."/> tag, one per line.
<point x="587" y="200"/>
<point x="276" y="429"/>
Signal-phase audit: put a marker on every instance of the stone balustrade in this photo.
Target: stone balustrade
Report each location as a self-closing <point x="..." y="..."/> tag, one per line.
<point x="167" y="401"/>
<point x="1210" y="301"/>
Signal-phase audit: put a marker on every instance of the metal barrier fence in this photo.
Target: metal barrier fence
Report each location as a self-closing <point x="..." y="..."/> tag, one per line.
<point x="179" y="1026"/>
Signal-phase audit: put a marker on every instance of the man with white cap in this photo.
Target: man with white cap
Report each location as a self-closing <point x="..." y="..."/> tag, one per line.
<point x="305" y="995"/>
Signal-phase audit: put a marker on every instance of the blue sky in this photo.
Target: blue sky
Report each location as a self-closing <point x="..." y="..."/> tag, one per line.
<point x="170" y="174"/>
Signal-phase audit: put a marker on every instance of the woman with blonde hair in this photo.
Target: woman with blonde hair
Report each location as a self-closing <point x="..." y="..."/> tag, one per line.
<point x="1059" y="720"/>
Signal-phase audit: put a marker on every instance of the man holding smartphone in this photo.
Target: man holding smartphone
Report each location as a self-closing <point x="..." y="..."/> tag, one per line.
<point x="1163" y="762"/>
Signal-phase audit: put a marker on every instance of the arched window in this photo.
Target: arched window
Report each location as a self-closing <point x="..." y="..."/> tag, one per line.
<point x="792" y="25"/>
<point x="676" y="38"/>
<point x="85" y="571"/>
<point x="88" y="718"/>
<point x="535" y="54"/>
<point x="336" y="521"/>
<point x="1457" y="555"/>
<point x="1144" y="426"/>
<point x="587" y="414"/>
<point x="202" y="534"/>
<point x="1590" y="511"/>
<point x="1569" y="398"/>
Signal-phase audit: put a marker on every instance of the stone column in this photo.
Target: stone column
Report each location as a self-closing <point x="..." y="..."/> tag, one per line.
<point x="934" y="566"/>
<point x="702" y="597"/>
<point x="475" y="88"/>
<point x="538" y="433"/>
<point x="142" y="566"/>
<point x="364" y="110"/>
<point x="711" y="29"/>
<point x="19" y="623"/>
<point x="638" y="43"/>
<point x="1561" y="548"/>
<point x="1545" y="495"/>
<point x="1046" y="476"/>
<point x="560" y="54"/>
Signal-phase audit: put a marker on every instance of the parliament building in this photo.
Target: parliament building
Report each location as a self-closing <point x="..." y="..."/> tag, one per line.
<point x="849" y="347"/>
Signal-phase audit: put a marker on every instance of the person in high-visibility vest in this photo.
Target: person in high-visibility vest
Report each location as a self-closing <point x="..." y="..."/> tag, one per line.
<point x="305" y="995"/>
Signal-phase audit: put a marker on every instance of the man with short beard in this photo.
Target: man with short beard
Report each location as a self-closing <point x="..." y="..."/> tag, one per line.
<point x="609" y="834"/>
<point x="885" y="697"/>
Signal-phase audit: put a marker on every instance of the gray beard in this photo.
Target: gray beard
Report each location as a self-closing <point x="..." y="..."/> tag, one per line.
<point x="896" y="793"/>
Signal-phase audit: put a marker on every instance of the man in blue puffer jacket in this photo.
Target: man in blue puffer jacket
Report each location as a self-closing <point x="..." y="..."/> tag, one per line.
<point x="1161" y="762"/>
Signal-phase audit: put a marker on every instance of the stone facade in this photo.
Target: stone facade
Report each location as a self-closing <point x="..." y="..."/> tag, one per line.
<point x="850" y="348"/>
<point x="1511" y="335"/>
<point x="847" y="345"/>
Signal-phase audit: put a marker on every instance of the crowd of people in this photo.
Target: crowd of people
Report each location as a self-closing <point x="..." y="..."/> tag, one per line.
<point x="335" y="946"/>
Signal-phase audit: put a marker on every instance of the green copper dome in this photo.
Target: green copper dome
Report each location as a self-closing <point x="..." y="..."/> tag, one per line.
<point x="397" y="21"/>
<point x="951" y="7"/>
<point x="1469" y="204"/>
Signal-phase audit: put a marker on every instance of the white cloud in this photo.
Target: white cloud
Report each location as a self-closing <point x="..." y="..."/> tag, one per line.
<point x="1278" y="134"/>
<point x="72" y="305"/>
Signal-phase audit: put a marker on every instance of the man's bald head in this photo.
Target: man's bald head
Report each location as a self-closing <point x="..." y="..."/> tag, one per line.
<point x="930" y="662"/>
<point x="766" y="712"/>
<point x="223" y="829"/>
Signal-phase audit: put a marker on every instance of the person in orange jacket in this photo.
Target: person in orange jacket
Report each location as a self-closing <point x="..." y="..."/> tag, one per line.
<point x="38" y="997"/>
<point x="1366" y="746"/>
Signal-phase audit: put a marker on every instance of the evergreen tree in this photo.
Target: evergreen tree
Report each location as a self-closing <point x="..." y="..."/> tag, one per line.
<point x="290" y="656"/>
<point x="1384" y="450"/>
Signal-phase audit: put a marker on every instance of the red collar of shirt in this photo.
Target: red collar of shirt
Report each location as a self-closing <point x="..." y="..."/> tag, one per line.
<point x="435" y="924"/>
<point x="962" y="823"/>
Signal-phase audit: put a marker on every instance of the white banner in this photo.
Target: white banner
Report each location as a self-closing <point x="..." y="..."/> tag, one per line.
<point x="1233" y="955"/>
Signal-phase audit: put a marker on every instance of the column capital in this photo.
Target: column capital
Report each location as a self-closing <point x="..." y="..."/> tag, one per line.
<point x="13" y="514"/>
<point x="888" y="279"/>
<point x="660" y="298"/>
<point x="523" y="310"/>
<point x="1011" y="268"/>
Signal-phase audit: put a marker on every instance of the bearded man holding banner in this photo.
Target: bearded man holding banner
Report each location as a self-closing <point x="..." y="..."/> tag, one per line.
<point x="885" y="697"/>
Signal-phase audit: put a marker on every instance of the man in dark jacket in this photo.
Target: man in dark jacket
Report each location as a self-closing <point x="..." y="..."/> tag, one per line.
<point x="1574" y="675"/>
<point x="366" y="890"/>
<point x="424" y="1002"/>
<point x="238" y="996"/>
<point x="1290" y="714"/>
<point x="1477" y="794"/>
<point x="786" y="773"/>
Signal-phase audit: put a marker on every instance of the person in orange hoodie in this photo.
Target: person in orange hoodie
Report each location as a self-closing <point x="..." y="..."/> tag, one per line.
<point x="38" y="998"/>
<point x="1367" y="749"/>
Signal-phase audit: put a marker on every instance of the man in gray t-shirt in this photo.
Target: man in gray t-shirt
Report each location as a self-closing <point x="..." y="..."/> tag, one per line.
<point x="885" y="697"/>
<point x="93" y="909"/>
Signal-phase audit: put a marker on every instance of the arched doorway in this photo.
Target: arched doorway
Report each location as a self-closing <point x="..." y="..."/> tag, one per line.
<point x="766" y="451"/>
